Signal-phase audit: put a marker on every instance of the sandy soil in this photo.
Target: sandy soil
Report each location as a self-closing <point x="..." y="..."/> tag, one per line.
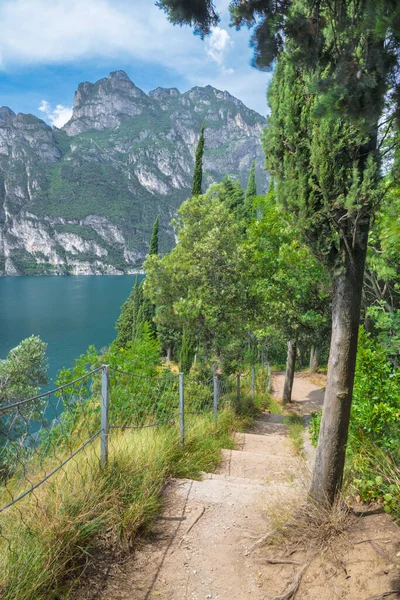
<point x="199" y="546"/>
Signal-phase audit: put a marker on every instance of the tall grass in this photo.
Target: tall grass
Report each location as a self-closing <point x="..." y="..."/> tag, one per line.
<point x="48" y="537"/>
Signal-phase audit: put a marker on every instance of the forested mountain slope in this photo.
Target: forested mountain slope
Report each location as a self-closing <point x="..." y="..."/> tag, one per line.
<point x="84" y="199"/>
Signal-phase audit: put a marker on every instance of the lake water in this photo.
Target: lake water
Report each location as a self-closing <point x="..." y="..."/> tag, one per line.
<point x="68" y="313"/>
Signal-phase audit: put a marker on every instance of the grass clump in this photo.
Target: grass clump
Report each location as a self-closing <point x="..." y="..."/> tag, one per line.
<point x="295" y="425"/>
<point x="266" y="403"/>
<point x="314" y="526"/>
<point x="49" y="537"/>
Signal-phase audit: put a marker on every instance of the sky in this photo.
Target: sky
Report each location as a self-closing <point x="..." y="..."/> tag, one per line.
<point x="48" y="48"/>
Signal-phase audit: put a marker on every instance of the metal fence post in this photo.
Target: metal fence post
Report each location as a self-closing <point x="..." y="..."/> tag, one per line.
<point x="238" y="389"/>
<point x="105" y="399"/>
<point x="182" y="407"/>
<point x="253" y="383"/>
<point x="215" y="398"/>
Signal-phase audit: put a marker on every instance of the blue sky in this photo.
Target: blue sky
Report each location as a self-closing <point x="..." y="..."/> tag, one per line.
<point x="47" y="48"/>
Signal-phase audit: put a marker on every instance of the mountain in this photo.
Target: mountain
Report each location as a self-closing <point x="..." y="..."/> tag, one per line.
<point x="83" y="199"/>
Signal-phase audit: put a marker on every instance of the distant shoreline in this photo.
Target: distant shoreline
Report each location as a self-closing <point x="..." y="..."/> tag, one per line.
<point x="133" y="272"/>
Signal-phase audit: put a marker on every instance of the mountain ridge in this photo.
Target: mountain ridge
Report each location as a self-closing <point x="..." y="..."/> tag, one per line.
<point x="82" y="199"/>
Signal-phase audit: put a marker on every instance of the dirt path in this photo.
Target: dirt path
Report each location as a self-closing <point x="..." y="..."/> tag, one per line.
<point x="198" y="546"/>
<point x="307" y="397"/>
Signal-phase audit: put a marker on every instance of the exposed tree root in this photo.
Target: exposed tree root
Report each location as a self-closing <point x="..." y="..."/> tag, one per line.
<point x="201" y="513"/>
<point x="260" y="541"/>
<point x="385" y="595"/>
<point x="369" y="512"/>
<point x="291" y="592"/>
<point x="281" y="561"/>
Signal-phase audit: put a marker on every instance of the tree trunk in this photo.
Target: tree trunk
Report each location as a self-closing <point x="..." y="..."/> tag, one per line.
<point x="346" y="302"/>
<point x="301" y="354"/>
<point x="169" y="354"/>
<point x="314" y="359"/>
<point x="290" y="365"/>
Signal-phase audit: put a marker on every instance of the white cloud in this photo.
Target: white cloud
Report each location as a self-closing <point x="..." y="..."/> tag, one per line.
<point x="218" y="44"/>
<point x="38" y="32"/>
<point x="57" y="116"/>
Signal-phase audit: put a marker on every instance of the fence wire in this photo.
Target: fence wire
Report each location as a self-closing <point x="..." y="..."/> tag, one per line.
<point x="199" y="395"/>
<point x="43" y="438"/>
<point x="138" y="401"/>
<point x="50" y="442"/>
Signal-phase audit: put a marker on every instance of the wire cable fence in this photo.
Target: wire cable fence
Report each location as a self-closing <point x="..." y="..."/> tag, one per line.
<point x="39" y="439"/>
<point x="60" y="439"/>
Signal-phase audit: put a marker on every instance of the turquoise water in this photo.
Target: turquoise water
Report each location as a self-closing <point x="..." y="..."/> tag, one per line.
<point x="69" y="313"/>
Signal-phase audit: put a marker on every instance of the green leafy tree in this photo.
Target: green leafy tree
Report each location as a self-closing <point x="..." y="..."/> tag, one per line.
<point x="198" y="167"/>
<point x="24" y="370"/>
<point x="203" y="284"/>
<point x="22" y="373"/>
<point x="293" y="288"/>
<point x="382" y="277"/>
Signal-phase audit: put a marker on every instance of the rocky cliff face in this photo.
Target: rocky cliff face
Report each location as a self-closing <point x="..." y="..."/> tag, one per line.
<point x="83" y="200"/>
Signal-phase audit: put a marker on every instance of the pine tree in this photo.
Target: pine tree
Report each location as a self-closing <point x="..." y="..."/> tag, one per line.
<point x="198" y="168"/>
<point x="251" y="190"/>
<point x="154" y="238"/>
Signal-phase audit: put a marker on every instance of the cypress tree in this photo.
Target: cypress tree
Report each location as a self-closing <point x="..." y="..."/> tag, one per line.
<point x="187" y="352"/>
<point x="126" y="323"/>
<point x="141" y="319"/>
<point x="198" y="167"/>
<point x="154" y="238"/>
<point x="147" y="309"/>
<point x="251" y="190"/>
<point x="234" y="196"/>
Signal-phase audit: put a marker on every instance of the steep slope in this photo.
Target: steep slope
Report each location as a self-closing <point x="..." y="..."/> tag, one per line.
<point x="84" y="199"/>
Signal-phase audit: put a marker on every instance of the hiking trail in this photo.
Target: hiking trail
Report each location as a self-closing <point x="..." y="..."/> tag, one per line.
<point x="198" y="546"/>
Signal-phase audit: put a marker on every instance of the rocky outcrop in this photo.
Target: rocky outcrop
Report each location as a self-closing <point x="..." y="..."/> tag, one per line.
<point x="84" y="199"/>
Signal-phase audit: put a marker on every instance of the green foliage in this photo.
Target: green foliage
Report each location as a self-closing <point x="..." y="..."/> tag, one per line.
<point x="382" y="276"/>
<point x="141" y="357"/>
<point x="233" y="196"/>
<point x="314" y="427"/>
<point x="231" y="266"/>
<point x="251" y="190"/>
<point x="376" y="397"/>
<point x="24" y="370"/>
<point x="26" y="263"/>
<point x="187" y="352"/>
<point x="154" y="238"/>
<point x="64" y="523"/>
<point x="203" y="283"/>
<point x="198" y="167"/>
<point x="127" y="322"/>
<point x="376" y="400"/>
<point x="22" y="373"/>
<point x="293" y="289"/>
<point x="295" y="425"/>
<point x="373" y="451"/>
